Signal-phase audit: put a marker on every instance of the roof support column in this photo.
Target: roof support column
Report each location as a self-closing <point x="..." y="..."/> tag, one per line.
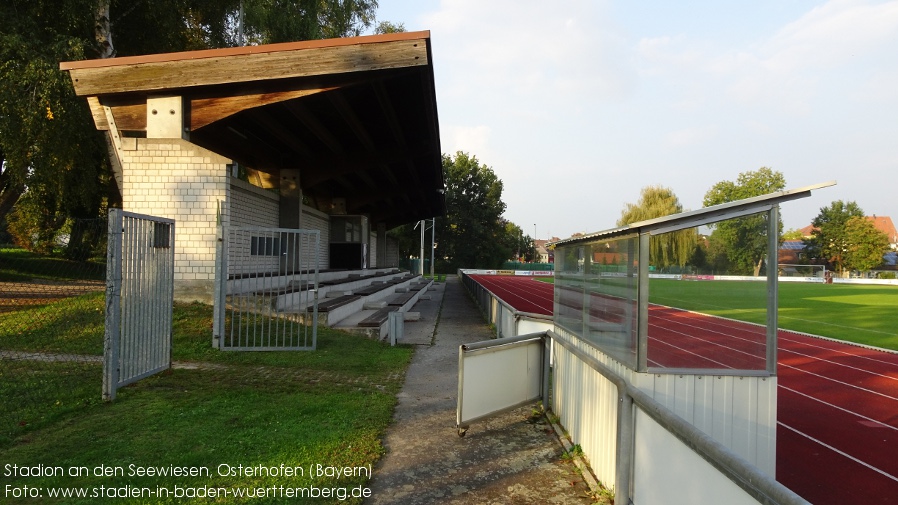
<point x="381" y="260"/>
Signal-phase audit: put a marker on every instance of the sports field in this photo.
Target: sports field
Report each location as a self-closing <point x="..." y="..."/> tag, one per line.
<point x="863" y="314"/>
<point x="837" y="414"/>
<point x="857" y="313"/>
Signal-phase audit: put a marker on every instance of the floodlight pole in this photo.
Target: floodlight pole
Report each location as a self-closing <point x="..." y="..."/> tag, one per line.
<point x="421" y="256"/>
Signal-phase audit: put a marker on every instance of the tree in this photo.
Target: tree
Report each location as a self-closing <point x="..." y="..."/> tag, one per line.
<point x="744" y="240"/>
<point x="519" y="246"/>
<point x="272" y="21"/>
<point x="829" y="240"/>
<point x="50" y="151"/>
<point x="792" y="234"/>
<point x="473" y="233"/>
<point x="668" y="249"/>
<point x="866" y="244"/>
<point x="388" y="27"/>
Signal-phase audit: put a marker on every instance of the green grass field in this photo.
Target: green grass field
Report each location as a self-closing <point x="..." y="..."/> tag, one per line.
<point x="864" y="314"/>
<point x="328" y="407"/>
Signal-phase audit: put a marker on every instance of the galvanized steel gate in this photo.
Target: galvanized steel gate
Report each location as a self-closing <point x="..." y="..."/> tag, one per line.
<point x="140" y="258"/>
<point x="266" y="291"/>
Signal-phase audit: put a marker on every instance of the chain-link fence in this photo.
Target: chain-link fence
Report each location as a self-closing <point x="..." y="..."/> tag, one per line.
<point x="51" y="328"/>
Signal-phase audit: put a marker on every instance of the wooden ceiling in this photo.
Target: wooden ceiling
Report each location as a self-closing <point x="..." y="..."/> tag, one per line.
<point x="356" y="116"/>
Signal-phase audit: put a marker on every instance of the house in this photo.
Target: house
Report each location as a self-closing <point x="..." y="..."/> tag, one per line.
<point x="885" y="225"/>
<point x="792" y="251"/>
<point x="545" y="254"/>
<point x="316" y="135"/>
<point x="882" y="223"/>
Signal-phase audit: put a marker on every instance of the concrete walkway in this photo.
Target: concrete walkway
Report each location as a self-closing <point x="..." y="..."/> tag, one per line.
<point x="514" y="458"/>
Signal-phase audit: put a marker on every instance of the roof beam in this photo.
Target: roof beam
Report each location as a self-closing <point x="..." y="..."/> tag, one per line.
<point x="241" y="65"/>
<point x="204" y="111"/>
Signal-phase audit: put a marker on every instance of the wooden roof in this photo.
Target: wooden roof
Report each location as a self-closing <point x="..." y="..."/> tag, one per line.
<point x="357" y="116"/>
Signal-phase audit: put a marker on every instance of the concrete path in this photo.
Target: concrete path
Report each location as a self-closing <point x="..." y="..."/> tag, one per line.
<point x="514" y="458"/>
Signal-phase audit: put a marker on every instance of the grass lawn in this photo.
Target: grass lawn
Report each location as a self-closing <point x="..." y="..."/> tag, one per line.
<point x="864" y="314"/>
<point x="329" y="407"/>
<point x="21" y="265"/>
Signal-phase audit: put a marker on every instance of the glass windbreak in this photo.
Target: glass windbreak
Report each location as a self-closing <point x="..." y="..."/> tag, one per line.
<point x="596" y="294"/>
<point x="708" y="297"/>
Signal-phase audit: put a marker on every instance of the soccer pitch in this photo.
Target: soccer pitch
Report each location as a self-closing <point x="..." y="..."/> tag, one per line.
<point x="864" y="314"/>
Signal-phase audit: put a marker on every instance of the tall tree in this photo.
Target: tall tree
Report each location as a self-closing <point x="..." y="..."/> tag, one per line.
<point x="52" y="155"/>
<point x="519" y="246"/>
<point x="744" y="240"/>
<point x="829" y="240"/>
<point x="473" y="233"/>
<point x="668" y="249"/>
<point x="866" y="245"/>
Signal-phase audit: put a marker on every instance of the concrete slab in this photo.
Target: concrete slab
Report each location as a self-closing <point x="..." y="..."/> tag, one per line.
<point x="512" y="458"/>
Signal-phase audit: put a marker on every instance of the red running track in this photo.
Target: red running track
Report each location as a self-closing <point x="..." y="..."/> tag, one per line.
<point x="837" y="404"/>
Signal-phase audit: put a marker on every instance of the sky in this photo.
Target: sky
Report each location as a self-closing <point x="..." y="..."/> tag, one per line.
<point x="577" y="105"/>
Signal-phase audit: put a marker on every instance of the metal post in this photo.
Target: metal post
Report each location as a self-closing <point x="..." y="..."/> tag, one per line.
<point x="625" y="447"/>
<point x="642" y="295"/>
<point x="220" y="287"/>
<point x="396" y="324"/>
<point x="112" y="332"/>
<point x="421" y="256"/>
<point x="772" y="286"/>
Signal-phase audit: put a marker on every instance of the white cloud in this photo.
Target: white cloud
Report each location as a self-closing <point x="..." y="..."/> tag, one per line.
<point x="532" y="51"/>
<point x="829" y="35"/>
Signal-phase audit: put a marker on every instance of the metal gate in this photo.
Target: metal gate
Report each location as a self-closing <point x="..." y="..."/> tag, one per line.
<point x="266" y="292"/>
<point x="140" y="258"/>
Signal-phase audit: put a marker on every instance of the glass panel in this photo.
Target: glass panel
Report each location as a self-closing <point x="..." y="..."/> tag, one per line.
<point x="702" y="304"/>
<point x="596" y="294"/>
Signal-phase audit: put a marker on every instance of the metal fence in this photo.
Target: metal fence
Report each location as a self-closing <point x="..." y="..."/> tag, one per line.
<point x="266" y="289"/>
<point x="139" y="298"/>
<point x="51" y="328"/>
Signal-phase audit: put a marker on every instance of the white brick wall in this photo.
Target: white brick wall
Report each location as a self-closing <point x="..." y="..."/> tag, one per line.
<point x="176" y="179"/>
<point x="253" y="206"/>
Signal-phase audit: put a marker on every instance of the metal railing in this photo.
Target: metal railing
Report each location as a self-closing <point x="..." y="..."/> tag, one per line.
<point x="266" y="289"/>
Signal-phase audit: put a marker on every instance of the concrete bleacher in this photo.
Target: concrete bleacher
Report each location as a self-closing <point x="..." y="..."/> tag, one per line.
<point x="373" y="319"/>
<point x="357" y="301"/>
<point x="353" y="300"/>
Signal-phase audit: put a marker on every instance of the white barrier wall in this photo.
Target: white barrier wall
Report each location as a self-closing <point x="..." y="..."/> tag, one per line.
<point x="668" y="472"/>
<point x="738" y="412"/>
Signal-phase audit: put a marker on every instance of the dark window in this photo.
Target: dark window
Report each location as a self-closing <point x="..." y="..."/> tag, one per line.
<point x="265" y="246"/>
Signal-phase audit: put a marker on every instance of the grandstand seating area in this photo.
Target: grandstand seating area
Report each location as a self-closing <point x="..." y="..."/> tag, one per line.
<point x="354" y="300"/>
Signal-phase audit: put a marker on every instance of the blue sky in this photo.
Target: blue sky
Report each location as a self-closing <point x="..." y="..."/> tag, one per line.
<point x="577" y="105"/>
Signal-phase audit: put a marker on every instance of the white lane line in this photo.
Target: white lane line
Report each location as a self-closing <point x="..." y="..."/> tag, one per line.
<point x="877" y="374"/>
<point x="837" y="343"/>
<point x="843" y="409"/>
<point x="849" y="456"/>
<point x="840" y="382"/>
<point x="781" y="349"/>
